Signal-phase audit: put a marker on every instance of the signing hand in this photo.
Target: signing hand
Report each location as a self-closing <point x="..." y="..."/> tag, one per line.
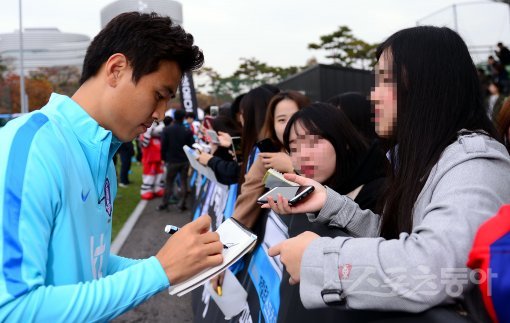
<point x="313" y="203"/>
<point x="279" y="161"/>
<point x="189" y="251"/>
<point x="291" y="252"/>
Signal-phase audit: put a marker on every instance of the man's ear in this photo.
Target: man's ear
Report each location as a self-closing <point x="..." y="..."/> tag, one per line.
<point x="116" y="67"/>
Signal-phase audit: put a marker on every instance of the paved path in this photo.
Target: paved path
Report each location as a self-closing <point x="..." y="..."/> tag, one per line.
<point x="144" y="241"/>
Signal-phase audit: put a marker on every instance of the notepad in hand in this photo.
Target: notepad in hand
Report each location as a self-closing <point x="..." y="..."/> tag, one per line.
<point x="274" y="178"/>
<point x="238" y="240"/>
<point x="204" y="170"/>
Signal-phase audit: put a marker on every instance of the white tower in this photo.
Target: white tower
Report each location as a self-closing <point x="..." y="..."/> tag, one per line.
<point x="170" y="8"/>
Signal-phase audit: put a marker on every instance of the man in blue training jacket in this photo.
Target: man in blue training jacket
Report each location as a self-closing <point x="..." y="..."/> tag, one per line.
<point x="58" y="183"/>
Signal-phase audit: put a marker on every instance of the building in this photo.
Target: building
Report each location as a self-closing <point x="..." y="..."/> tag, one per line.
<point x="321" y="82"/>
<point x="44" y="47"/>
<point x="170" y="8"/>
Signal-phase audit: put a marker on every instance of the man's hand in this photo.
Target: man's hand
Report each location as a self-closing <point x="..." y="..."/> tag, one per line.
<point x="291" y="252"/>
<point x="189" y="251"/>
<point x="204" y="158"/>
<point x="313" y="203"/>
<point x="279" y="161"/>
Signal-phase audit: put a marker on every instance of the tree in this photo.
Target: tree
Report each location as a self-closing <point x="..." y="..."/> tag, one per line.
<point x="252" y="73"/>
<point x="38" y="92"/>
<point x="221" y="88"/>
<point x="249" y="74"/>
<point x="64" y="79"/>
<point x="3" y="69"/>
<point x="344" y="49"/>
<point x="4" y="91"/>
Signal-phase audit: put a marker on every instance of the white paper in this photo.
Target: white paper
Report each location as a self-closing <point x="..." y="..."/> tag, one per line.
<point x="233" y="298"/>
<point x="204" y="170"/>
<point x="239" y="241"/>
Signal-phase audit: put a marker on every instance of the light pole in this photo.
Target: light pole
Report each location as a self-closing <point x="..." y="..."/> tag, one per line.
<point x="24" y="107"/>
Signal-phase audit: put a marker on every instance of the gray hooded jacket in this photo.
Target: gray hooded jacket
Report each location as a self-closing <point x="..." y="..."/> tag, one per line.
<point x="419" y="270"/>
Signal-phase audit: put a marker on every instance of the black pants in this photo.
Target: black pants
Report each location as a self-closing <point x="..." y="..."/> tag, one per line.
<point x="172" y="169"/>
<point x="125" y="153"/>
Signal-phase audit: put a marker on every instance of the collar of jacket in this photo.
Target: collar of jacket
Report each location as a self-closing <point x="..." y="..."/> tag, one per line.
<point x="98" y="144"/>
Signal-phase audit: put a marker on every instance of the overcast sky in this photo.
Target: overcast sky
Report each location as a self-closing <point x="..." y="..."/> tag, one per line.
<point x="277" y="31"/>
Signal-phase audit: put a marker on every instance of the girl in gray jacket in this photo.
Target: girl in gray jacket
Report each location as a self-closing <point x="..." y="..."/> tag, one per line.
<point x="449" y="174"/>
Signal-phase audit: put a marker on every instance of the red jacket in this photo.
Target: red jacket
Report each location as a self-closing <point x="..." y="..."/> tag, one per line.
<point x="491" y="255"/>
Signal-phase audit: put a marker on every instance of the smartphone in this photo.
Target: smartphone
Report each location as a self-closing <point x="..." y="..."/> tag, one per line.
<point x="293" y="193"/>
<point x="267" y="146"/>
<point x="214" y="136"/>
<point x="208" y="122"/>
<point x="215" y="111"/>
<point x="236" y="148"/>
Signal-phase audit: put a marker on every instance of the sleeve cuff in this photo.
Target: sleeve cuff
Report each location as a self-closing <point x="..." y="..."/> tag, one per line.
<point x="334" y="204"/>
<point x="319" y="282"/>
<point x="159" y="272"/>
<point x="211" y="162"/>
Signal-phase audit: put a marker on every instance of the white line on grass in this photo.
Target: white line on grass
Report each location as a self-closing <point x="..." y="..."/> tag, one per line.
<point x="127" y="227"/>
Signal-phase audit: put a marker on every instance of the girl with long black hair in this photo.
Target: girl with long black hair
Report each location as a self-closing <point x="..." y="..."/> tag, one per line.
<point x="448" y="174"/>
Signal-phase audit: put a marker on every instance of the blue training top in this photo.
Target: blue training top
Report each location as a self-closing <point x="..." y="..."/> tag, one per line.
<point x="57" y="186"/>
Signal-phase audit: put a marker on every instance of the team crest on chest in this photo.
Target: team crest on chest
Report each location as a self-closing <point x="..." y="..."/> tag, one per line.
<point x="107" y="199"/>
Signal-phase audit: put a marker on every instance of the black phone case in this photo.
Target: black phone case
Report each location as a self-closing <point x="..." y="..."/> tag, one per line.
<point x="302" y="196"/>
<point x="293" y="201"/>
<point x="267" y="146"/>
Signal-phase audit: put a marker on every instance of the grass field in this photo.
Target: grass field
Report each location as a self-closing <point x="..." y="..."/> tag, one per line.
<point x="127" y="198"/>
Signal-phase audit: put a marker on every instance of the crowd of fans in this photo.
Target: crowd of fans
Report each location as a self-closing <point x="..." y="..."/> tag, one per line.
<point x="415" y="184"/>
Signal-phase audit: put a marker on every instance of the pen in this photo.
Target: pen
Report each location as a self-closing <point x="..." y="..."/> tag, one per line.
<point x="218" y="289"/>
<point x="172" y="229"/>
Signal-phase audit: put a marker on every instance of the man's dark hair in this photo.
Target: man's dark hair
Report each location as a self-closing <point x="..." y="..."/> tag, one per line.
<point x="146" y="40"/>
<point x="179" y="115"/>
<point x="190" y="115"/>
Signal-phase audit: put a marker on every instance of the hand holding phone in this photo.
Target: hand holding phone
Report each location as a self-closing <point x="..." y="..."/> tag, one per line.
<point x="215" y="111"/>
<point x="267" y="146"/>
<point x="236" y="148"/>
<point x="314" y="203"/>
<point x="294" y="194"/>
<point x="225" y="139"/>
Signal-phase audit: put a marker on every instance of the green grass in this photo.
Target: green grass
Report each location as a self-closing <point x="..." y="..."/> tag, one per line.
<point x="127" y="198"/>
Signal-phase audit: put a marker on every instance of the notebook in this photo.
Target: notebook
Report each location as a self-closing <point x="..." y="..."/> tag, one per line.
<point x="238" y="240"/>
<point x="274" y="178"/>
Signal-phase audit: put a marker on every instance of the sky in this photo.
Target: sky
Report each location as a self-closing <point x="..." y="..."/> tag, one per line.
<point x="278" y="32"/>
